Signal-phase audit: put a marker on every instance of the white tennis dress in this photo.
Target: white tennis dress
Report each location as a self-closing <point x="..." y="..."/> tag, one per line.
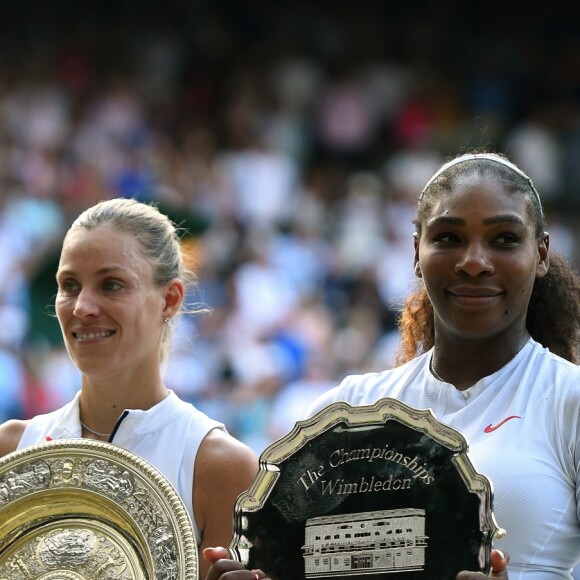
<point x="522" y="424"/>
<point x="168" y="435"/>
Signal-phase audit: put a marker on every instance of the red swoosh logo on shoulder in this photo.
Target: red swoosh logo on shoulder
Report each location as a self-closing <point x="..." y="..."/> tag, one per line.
<point x="490" y="428"/>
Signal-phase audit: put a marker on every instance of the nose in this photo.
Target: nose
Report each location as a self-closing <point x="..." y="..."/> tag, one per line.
<point x="86" y="304"/>
<point x="475" y="261"/>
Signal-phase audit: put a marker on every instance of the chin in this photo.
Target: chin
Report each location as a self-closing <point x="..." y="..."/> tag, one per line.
<point x="93" y="368"/>
<point x="475" y="332"/>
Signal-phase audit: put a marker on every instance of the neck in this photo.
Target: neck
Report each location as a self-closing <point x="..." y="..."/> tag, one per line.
<point x="101" y="404"/>
<point x="464" y="364"/>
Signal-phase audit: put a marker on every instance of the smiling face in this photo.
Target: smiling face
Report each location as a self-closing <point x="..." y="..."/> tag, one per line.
<point x="110" y="311"/>
<point x="479" y="257"/>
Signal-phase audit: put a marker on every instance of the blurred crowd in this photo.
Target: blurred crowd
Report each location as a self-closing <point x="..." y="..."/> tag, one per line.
<point x="289" y="141"/>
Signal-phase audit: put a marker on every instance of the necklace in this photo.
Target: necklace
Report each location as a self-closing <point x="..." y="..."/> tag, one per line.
<point x="433" y="372"/>
<point x="95" y="432"/>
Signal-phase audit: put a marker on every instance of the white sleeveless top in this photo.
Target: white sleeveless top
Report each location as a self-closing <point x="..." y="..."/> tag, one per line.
<point x="167" y="435"/>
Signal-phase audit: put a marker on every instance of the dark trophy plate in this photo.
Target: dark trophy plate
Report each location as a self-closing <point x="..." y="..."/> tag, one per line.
<point x="380" y="491"/>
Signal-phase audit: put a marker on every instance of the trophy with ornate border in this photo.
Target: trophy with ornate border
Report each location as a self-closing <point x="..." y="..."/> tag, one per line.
<point x="379" y="491"/>
<point x="80" y="509"/>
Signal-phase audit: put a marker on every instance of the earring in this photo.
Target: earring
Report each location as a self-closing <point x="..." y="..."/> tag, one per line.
<point x="166" y="320"/>
<point x="417" y="269"/>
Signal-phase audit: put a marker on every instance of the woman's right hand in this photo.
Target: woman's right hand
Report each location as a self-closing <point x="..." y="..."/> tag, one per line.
<point x="224" y="568"/>
<point x="499" y="561"/>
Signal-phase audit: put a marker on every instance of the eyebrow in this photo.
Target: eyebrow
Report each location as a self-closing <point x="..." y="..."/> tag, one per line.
<point x="100" y="271"/>
<point x="498" y="219"/>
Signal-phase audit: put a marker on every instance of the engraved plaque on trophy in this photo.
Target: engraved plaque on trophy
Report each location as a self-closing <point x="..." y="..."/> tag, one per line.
<point x="380" y="491"/>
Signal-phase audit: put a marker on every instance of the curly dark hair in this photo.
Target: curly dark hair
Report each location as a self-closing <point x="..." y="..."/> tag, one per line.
<point x="553" y="311"/>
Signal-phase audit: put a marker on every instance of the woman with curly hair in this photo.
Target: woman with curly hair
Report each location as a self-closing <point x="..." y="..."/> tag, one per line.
<point x="490" y="343"/>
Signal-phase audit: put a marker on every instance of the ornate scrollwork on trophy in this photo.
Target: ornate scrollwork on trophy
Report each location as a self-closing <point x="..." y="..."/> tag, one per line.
<point x="83" y="510"/>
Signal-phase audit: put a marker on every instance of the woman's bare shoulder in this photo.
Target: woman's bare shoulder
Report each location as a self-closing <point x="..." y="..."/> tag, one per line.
<point x="224" y="463"/>
<point x="10" y="434"/>
<point x="221" y="451"/>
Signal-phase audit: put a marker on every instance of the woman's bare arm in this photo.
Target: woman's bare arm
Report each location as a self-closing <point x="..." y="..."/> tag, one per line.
<point x="10" y="434"/>
<point x="224" y="468"/>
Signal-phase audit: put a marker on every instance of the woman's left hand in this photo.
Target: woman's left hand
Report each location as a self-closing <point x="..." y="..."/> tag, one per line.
<point x="499" y="561"/>
<point x="223" y="567"/>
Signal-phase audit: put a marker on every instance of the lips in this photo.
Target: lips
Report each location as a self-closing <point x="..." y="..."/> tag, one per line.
<point x="474" y="297"/>
<point x="474" y="292"/>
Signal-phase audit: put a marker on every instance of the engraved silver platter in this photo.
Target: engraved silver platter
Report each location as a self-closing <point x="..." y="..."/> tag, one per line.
<point x="79" y="509"/>
<point x="383" y="491"/>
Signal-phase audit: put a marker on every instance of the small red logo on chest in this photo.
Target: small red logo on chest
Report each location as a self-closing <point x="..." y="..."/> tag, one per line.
<point x="490" y="428"/>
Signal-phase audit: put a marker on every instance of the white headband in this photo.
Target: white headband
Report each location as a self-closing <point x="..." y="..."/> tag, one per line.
<point x="490" y="157"/>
